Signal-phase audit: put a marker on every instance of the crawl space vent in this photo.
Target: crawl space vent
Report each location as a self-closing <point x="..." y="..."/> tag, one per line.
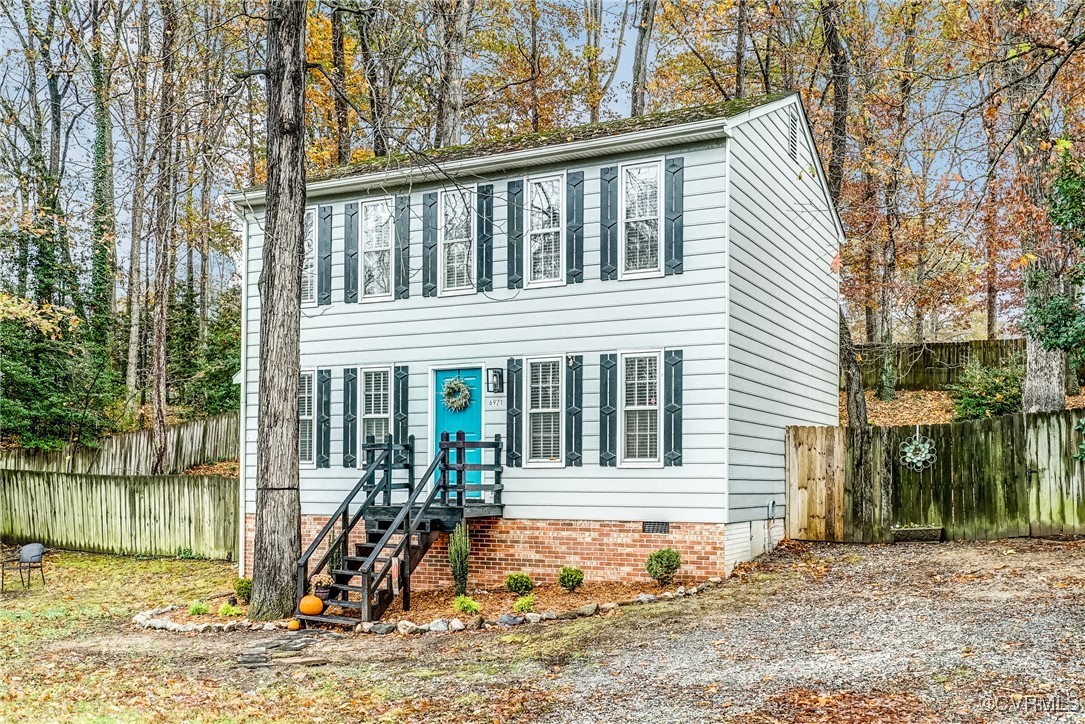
<point x="655" y="527"/>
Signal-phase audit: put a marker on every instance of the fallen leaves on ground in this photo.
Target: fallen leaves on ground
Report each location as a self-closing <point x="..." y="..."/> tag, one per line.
<point x="845" y="707"/>
<point x="225" y="468"/>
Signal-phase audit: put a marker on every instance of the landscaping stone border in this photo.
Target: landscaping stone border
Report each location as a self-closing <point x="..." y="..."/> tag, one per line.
<point x="154" y="620"/>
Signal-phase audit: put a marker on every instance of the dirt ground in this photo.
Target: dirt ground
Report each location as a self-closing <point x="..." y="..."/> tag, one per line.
<point x="813" y="633"/>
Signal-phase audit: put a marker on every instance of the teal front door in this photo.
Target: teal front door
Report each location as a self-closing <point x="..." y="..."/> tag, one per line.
<point x="469" y="419"/>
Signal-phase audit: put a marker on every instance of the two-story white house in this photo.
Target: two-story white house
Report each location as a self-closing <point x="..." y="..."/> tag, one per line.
<point x="637" y="308"/>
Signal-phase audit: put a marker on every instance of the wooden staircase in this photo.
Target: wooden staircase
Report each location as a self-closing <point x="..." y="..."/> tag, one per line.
<point x="397" y="536"/>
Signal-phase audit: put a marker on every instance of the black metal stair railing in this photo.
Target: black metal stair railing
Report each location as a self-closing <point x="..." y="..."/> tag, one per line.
<point x="380" y="457"/>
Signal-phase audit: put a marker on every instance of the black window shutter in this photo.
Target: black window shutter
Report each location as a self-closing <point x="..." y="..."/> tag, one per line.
<point x="608" y="410"/>
<point x="403" y="247"/>
<point x="515" y="224"/>
<point x="350" y="417"/>
<point x="608" y="223"/>
<point x="399" y="409"/>
<point x="324" y="256"/>
<point x="673" y="193"/>
<point x="574" y="407"/>
<point x="323" y="418"/>
<point x="350" y="253"/>
<point x="429" y="245"/>
<point x="574" y="229"/>
<point x="672" y="407"/>
<point x="514" y="432"/>
<point x="484" y="258"/>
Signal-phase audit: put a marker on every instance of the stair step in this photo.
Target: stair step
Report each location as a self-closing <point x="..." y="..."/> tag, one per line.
<point x="347" y="587"/>
<point x="327" y="618"/>
<point x="347" y="604"/>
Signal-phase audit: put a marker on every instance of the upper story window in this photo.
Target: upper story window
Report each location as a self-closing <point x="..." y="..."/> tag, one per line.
<point x="640" y="408"/>
<point x="641" y="210"/>
<point x="306" y="428"/>
<point x="544" y="411"/>
<point x="456" y="253"/>
<point x="376" y="257"/>
<point x="376" y="404"/>
<point x="544" y="231"/>
<point x="308" y="265"/>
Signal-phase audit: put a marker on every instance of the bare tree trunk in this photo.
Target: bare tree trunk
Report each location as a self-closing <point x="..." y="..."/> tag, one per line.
<point x="740" y="50"/>
<point x="853" y="377"/>
<point x="639" y="85"/>
<point x="1044" y="386"/>
<point x="597" y="88"/>
<point x="163" y="205"/>
<point x="453" y="18"/>
<point x="838" y="63"/>
<point x="278" y="505"/>
<point x="533" y="9"/>
<point x="135" y="278"/>
<point x="339" y="64"/>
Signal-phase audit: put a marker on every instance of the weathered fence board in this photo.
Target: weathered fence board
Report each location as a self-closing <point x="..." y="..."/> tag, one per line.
<point x="934" y="365"/>
<point x="127" y="515"/>
<point x="1003" y="477"/>
<point x="187" y="444"/>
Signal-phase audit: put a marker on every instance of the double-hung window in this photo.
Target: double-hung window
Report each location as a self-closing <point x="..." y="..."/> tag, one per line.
<point x="641" y="220"/>
<point x="306" y="427"/>
<point x="376" y="257"/>
<point x="376" y="404"/>
<point x="544" y="412"/>
<point x="308" y="264"/>
<point x="640" y="424"/>
<point x="456" y="254"/>
<point x="545" y="231"/>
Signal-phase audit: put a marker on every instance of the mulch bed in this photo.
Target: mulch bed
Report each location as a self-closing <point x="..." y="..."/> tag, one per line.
<point x="225" y="468"/>
<point x="429" y="605"/>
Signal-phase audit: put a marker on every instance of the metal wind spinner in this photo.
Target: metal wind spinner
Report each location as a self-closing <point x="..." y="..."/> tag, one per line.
<point x="917" y="452"/>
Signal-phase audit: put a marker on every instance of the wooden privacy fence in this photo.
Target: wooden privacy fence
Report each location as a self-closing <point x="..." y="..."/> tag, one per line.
<point x="190" y="443"/>
<point x="1002" y="477"/>
<point x="139" y="515"/>
<point x="934" y="365"/>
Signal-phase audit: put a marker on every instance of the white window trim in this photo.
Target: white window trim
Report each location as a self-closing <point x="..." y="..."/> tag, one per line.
<point x="650" y="273"/>
<point x="308" y="465"/>
<point x="471" y="228"/>
<point x="391" y="295"/>
<point x="390" y="369"/>
<point x="316" y="272"/>
<point x="560" y="462"/>
<point x="622" y="461"/>
<point x="562" y="185"/>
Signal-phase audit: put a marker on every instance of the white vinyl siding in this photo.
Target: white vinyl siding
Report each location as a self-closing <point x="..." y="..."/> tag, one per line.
<point x="306" y="423"/>
<point x="457" y="248"/>
<point x="640" y="385"/>
<point x="544" y="412"/>
<point x="376" y="251"/>
<point x="641" y="209"/>
<point x="308" y="265"/>
<point x="376" y="404"/>
<point x="544" y="234"/>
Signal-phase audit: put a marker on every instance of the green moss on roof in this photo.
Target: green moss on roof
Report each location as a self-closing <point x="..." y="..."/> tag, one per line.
<point x="587" y="132"/>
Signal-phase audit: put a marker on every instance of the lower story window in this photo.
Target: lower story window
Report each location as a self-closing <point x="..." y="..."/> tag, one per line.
<point x="376" y="404"/>
<point x="640" y="407"/>
<point x="544" y="411"/>
<point x="306" y="428"/>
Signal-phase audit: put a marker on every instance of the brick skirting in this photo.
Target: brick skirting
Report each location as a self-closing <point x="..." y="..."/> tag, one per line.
<point x="605" y="550"/>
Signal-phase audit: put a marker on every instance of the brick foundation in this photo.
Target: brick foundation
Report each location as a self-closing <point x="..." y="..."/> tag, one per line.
<point x="605" y="550"/>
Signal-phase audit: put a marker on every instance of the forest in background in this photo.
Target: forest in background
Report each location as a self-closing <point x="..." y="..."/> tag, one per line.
<point x="949" y="131"/>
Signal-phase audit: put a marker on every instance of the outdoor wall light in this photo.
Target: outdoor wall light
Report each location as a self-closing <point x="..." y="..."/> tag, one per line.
<point x="495" y="380"/>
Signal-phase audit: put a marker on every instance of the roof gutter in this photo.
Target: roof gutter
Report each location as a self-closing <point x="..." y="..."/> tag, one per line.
<point x="714" y="128"/>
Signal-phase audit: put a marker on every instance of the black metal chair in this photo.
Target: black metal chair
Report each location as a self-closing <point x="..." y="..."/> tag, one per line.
<point x="25" y="561"/>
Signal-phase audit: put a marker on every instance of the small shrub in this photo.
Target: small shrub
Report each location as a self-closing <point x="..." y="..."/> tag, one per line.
<point x="243" y="589"/>
<point x="524" y="604"/>
<point x="199" y="608"/>
<point x="570" y="578"/>
<point x="663" y="564"/>
<point x="987" y="391"/>
<point x="519" y="583"/>
<point x="459" y="548"/>
<point x="187" y="554"/>
<point x="466" y="604"/>
<point x="227" y="609"/>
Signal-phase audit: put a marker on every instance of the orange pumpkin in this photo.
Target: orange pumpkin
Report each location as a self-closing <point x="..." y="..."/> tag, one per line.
<point x="311" y="605"/>
<point x="293" y="625"/>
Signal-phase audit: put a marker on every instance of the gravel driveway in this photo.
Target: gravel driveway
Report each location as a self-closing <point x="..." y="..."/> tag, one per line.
<point x="914" y="632"/>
